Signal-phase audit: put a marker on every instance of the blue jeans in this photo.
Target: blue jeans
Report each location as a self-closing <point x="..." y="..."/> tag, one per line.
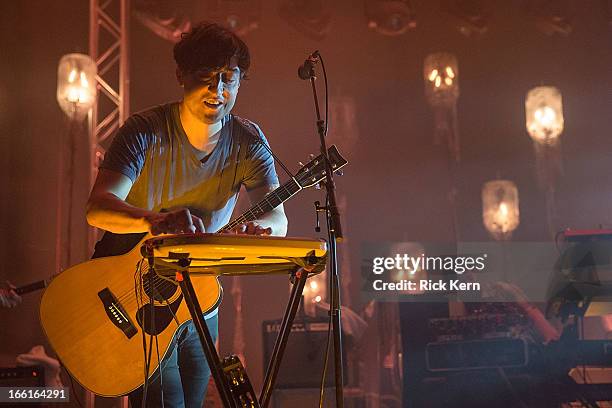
<point x="184" y="373"/>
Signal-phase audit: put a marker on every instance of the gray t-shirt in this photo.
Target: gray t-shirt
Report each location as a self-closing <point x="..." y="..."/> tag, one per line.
<point x="152" y="149"/>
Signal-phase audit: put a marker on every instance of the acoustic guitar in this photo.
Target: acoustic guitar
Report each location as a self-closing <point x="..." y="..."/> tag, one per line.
<point x="94" y="314"/>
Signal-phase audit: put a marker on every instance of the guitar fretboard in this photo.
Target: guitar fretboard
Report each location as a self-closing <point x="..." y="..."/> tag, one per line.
<point x="268" y="203"/>
<point x="31" y="287"/>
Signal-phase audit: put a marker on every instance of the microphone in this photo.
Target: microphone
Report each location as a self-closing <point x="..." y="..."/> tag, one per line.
<point x="306" y="70"/>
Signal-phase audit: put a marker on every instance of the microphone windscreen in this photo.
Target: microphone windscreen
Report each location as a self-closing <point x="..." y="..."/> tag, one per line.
<point x="305" y="70"/>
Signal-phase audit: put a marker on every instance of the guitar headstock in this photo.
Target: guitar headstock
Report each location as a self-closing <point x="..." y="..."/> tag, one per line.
<point x="314" y="171"/>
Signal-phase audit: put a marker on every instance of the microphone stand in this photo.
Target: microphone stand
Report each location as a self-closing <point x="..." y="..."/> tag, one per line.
<point x="334" y="231"/>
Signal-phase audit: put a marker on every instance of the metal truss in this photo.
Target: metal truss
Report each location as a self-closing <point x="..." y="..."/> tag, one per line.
<point x="108" y="47"/>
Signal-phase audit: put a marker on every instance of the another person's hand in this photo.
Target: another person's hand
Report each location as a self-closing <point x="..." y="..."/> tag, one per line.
<point x="8" y="297"/>
<point x="175" y="222"/>
<point x="513" y="293"/>
<point x="251" y="228"/>
<point x="38" y="356"/>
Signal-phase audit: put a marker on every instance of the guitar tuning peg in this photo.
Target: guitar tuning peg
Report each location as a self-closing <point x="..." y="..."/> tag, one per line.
<point x="300" y="164"/>
<point x="317" y="186"/>
<point x="312" y="156"/>
<point x="339" y="172"/>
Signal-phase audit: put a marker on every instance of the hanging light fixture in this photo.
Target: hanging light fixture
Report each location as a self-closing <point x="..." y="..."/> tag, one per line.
<point x="551" y="17"/>
<point x="544" y="114"/>
<point x="310" y="17"/>
<point x="500" y="208"/>
<point x="166" y="19"/>
<point x="469" y="16"/>
<point x="240" y="16"/>
<point x="76" y="85"/>
<point x="544" y="123"/>
<point x="414" y="250"/>
<point x="390" y="17"/>
<point x="441" y="79"/>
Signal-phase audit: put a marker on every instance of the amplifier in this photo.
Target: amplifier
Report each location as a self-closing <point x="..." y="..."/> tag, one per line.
<point x="303" y="398"/>
<point x="22" y="376"/>
<point x="302" y="363"/>
<point x="477" y="326"/>
<point x="477" y="354"/>
<point x="587" y="235"/>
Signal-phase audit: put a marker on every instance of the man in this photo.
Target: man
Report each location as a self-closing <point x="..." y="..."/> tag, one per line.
<point x="188" y="159"/>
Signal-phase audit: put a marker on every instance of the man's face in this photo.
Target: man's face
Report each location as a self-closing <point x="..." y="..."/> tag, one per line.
<point x="209" y="96"/>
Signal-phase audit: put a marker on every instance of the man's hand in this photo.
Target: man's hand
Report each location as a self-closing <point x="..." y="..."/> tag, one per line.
<point x="8" y="296"/>
<point x="175" y="222"/>
<point x="251" y="228"/>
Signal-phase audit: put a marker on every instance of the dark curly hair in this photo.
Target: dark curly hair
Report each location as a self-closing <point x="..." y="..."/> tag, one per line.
<point x="209" y="46"/>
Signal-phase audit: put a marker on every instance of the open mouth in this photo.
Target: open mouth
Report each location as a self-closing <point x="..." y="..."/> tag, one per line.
<point x="213" y="103"/>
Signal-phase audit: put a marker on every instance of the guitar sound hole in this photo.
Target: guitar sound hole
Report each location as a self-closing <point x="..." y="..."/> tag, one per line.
<point x="158" y="288"/>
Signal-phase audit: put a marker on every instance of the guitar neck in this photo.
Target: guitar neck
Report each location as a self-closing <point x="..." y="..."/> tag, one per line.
<point x="31" y="287"/>
<point x="268" y="203"/>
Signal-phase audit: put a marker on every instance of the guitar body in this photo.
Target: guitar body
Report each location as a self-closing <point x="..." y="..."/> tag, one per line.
<point x="82" y="313"/>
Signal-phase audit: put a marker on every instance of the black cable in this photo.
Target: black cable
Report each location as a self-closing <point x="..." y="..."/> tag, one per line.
<point x="76" y="396"/>
<point x="72" y="129"/>
<point x="138" y="296"/>
<point x="148" y="360"/>
<point x="327" y="347"/>
<point x="331" y="286"/>
<point x="139" y="300"/>
<point x="328" y="342"/>
<point x="510" y="387"/>
<point x="557" y="235"/>
<point x="155" y="292"/>
<point x="147" y="368"/>
<point x="161" y="374"/>
<point x="265" y="145"/>
<point x="326" y="94"/>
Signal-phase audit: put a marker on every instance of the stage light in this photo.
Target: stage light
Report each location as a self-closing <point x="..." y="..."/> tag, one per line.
<point x="310" y="17"/>
<point x="241" y="16"/>
<point x="166" y="19"/>
<point x="544" y="123"/>
<point x="469" y="15"/>
<point x="390" y="17"/>
<point x="500" y="208"/>
<point x="441" y="80"/>
<point x="550" y="17"/>
<point x="76" y="85"/>
<point x="544" y="114"/>
<point x="314" y="292"/>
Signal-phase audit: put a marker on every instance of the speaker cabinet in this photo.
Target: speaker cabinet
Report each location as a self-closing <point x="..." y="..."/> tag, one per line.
<point x="302" y="364"/>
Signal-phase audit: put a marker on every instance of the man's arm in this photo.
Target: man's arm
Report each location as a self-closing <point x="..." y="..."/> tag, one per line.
<point x="271" y="223"/>
<point x="108" y="210"/>
<point x="536" y="317"/>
